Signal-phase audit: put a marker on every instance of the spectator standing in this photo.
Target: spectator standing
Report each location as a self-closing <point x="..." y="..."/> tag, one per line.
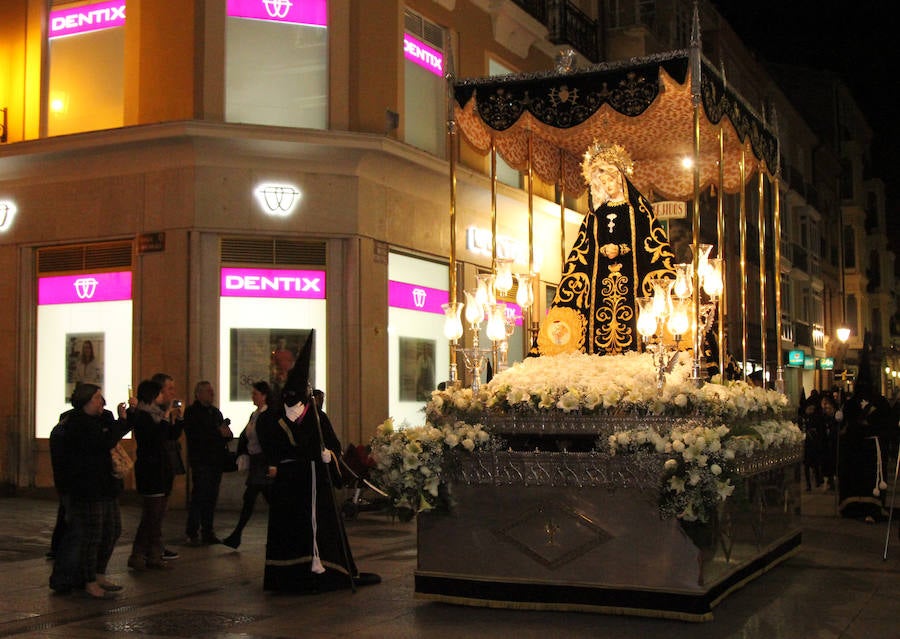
<point x="248" y="445"/>
<point x="153" y="424"/>
<point x="207" y="434"/>
<point x="173" y="446"/>
<point x="84" y="473"/>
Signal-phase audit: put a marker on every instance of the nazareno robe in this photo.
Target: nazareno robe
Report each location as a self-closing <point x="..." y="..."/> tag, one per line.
<point x="620" y="248"/>
<point x="303" y="518"/>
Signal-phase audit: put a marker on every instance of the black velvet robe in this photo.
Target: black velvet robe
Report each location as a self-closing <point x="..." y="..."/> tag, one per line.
<point x="301" y="498"/>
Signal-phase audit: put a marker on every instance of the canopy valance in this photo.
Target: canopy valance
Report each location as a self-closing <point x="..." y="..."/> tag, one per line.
<point x="644" y="104"/>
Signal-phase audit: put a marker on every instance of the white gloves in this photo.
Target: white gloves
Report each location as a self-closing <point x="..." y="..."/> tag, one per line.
<point x="326" y="456"/>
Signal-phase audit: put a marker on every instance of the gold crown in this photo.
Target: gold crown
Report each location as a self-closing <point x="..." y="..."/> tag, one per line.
<point x="613" y="154"/>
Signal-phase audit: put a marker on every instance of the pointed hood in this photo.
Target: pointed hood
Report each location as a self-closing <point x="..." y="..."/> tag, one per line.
<point x="296" y="387"/>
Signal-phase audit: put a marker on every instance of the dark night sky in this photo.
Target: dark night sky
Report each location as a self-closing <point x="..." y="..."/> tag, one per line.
<point x="858" y="41"/>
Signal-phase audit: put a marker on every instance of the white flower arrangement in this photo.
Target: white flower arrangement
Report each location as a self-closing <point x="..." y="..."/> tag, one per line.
<point x="701" y="458"/>
<point x="591" y="384"/>
<point x="409" y="461"/>
<point x="699" y="473"/>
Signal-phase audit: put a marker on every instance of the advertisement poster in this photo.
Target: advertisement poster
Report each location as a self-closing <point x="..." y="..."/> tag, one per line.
<point x="84" y="360"/>
<point x="417" y="369"/>
<point x="265" y="354"/>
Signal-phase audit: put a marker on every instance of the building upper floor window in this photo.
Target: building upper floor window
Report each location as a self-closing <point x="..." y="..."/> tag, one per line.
<point x="276" y="63"/>
<point x="86" y="52"/>
<point x="425" y="90"/>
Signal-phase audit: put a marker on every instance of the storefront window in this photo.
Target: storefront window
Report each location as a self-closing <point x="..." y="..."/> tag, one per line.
<point x="418" y="357"/>
<point x="266" y="317"/>
<point x="276" y="63"/>
<point x="85" y="91"/>
<point x="84" y="333"/>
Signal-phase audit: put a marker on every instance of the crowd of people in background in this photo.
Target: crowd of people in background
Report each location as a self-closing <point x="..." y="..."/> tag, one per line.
<point x="850" y="443"/>
<point x="274" y="449"/>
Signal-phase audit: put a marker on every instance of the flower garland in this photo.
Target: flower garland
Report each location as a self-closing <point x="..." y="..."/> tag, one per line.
<point x="409" y="461"/>
<point x="702" y="462"/>
<point x="591" y="384"/>
<point x="701" y="468"/>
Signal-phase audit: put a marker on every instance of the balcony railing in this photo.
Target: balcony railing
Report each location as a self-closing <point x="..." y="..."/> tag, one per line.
<point x="567" y="25"/>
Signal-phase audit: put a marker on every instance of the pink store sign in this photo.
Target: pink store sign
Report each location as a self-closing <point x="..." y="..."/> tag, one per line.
<point x="85" y="288"/>
<point x="416" y="297"/>
<point x="273" y="283"/>
<point x="89" y="17"/>
<point x="429" y="59"/>
<point x="309" y="12"/>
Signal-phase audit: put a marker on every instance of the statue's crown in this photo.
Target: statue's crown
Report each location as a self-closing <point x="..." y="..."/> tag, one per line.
<point x="614" y="154"/>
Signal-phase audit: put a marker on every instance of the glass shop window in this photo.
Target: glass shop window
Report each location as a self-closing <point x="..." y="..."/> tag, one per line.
<point x="425" y="90"/>
<point x="276" y="63"/>
<point x="86" y="51"/>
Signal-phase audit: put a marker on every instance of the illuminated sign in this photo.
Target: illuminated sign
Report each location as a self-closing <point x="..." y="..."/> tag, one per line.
<point x="312" y="13"/>
<point x="90" y="17"/>
<point x="277" y="199"/>
<point x="7" y="212"/>
<point x="84" y="288"/>
<point x="796" y="358"/>
<point x="416" y="297"/>
<point x="809" y="363"/>
<point x="479" y="241"/>
<point x="274" y="283"/>
<point x="826" y="364"/>
<point x="429" y="59"/>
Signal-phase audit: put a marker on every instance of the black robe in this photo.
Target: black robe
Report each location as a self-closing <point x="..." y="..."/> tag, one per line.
<point x="291" y="543"/>
<point x="620" y="248"/>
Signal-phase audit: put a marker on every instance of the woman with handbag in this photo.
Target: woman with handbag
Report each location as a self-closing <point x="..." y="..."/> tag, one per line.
<point x="251" y="459"/>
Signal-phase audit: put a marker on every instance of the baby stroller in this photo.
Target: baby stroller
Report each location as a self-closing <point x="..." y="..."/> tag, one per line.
<point x="365" y="496"/>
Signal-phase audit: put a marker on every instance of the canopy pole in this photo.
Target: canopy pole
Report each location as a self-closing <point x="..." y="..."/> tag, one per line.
<point x="743" y="233"/>
<point x="532" y="321"/>
<point x="776" y="231"/>
<point x="562" y="214"/>
<point x="720" y="228"/>
<point x="451" y="150"/>
<point x="695" y="100"/>
<point x="761" y="222"/>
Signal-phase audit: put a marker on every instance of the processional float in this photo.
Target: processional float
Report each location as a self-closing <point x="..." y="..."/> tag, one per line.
<point x="553" y="529"/>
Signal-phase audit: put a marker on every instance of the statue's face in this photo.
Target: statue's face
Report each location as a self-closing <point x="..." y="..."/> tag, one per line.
<point x="606" y="183"/>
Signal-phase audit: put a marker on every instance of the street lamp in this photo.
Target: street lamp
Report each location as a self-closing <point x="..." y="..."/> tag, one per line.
<point x="843" y="334"/>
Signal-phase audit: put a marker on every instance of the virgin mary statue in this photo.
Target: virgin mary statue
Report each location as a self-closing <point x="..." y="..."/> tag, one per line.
<point x="620" y="249"/>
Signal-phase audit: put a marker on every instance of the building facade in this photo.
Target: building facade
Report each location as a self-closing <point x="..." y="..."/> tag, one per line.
<point x="195" y="187"/>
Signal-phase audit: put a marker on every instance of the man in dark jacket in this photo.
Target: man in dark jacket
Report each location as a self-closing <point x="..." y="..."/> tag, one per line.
<point x="207" y="434"/>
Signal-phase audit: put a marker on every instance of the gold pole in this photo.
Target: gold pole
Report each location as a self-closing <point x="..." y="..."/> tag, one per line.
<point x="495" y="352"/>
<point x="776" y="231"/>
<point x="720" y="227"/>
<point x="562" y="215"/>
<point x="695" y="99"/>
<point x="493" y="203"/>
<point x="531" y="315"/>
<point x="743" y="238"/>
<point x="761" y="221"/>
<point x="451" y="142"/>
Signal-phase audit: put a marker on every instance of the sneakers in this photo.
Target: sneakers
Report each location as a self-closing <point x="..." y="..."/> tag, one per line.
<point x="210" y="540"/>
<point x="169" y="554"/>
<point x="136" y="562"/>
<point x="192" y="540"/>
<point x="231" y="541"/>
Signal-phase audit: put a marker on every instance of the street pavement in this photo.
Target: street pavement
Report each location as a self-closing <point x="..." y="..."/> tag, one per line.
<point x="838" y="585"/>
